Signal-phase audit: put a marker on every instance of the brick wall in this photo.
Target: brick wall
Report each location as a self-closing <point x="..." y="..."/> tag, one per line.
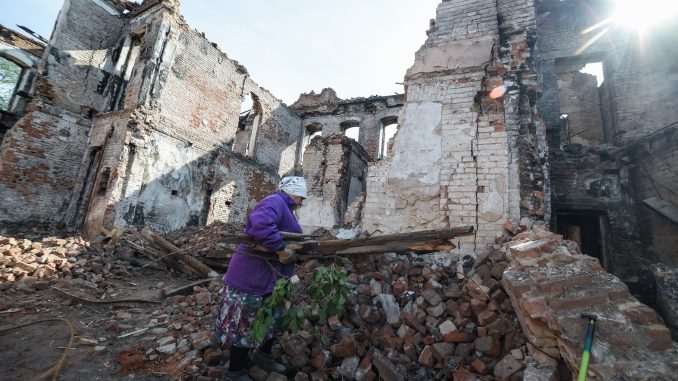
<point x="450" y="158"/>
<point x="237" y="185"/>
<point x="80" y="51"/>
<point x="578" y="98"/>
<point x="656" y="176"/>
<point x="334" y="169"/>
<point x="39" y="160"/>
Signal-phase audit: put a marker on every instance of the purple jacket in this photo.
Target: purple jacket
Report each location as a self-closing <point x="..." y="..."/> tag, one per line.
<point x="269" y="217"/>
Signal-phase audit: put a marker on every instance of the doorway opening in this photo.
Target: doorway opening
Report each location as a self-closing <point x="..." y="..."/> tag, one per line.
<point x="588" y="228"/>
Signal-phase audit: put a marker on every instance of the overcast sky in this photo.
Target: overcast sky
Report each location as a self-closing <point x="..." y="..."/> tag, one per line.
<point x="357" y="47"/>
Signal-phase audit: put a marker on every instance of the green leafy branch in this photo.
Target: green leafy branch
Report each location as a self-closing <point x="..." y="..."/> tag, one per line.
<point x="328" y="292"/>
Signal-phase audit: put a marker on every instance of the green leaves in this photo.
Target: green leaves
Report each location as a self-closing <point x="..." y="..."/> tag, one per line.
<point x="327" y="293"/>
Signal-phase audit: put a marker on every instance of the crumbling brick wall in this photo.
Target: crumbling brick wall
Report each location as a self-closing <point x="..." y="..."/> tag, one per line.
<point x="633" y="105"/>
<point x="161" y="106"/>
<point x="579" y="100"/>
<point x="656" y="180"/>
<point x="335" y="171"/>
<point x="37" y="172"/>
<point x="459" y="152"/>
<point x="237" y="184"/>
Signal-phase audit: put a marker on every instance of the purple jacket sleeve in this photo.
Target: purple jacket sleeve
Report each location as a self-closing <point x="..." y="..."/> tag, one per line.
<point x="262" y="225"/>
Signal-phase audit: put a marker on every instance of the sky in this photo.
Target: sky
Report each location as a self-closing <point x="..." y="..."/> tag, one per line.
<point x="358" y="47"/>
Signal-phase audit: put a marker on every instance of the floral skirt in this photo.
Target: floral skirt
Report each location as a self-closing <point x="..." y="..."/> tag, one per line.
<point x="235" y="316"/>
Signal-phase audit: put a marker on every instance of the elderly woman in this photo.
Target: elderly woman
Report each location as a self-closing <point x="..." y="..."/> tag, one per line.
<point x="251" y="278"/>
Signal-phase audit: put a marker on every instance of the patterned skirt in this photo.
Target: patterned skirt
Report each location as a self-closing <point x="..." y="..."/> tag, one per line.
<point x="235" y="316"/>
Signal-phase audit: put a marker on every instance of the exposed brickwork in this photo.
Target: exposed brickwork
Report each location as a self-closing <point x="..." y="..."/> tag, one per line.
<point x="39" y="165"/>
<point x="164" y="105"/>
<point x="481" y="155"/>
<point x="551" y="284"/>
<point x="578" y="98"/>
<point x="335" y="171"/>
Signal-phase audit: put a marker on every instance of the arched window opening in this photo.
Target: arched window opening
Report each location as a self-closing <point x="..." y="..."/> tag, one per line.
<point x="10" y="74"/>
<point x="389" y="127"/>
<point x="312" y="130"/>
<point x="351" y="129"/>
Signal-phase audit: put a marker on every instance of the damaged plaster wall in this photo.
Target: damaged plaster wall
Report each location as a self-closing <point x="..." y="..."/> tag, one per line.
<point x="458" y="152"/>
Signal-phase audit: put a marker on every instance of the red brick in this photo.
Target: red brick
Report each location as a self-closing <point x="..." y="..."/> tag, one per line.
<point x="479" y="366"/>
<point x="458" y="337"/>
<point x="426" y="358"/>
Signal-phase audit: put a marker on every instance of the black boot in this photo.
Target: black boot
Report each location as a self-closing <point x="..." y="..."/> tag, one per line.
<point x="239" y="375"/>
<point x="266" y="362"/>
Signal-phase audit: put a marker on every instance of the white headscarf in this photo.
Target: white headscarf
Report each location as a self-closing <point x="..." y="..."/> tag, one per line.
<point x="293" y="186"/>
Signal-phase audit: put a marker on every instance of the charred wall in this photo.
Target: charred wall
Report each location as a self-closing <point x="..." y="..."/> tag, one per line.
<point x="590" y="132"/>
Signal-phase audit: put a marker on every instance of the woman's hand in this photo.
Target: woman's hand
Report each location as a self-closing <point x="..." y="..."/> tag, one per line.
<point x="286" y="255"/>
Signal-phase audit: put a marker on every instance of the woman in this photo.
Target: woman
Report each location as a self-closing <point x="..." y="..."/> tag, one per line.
<point x="252" y="274"/>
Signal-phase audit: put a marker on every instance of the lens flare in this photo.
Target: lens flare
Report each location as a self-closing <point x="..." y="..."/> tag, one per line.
<point x="497" y="92"/>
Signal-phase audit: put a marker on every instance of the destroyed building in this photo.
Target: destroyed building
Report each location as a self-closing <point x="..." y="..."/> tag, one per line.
<point x="128" y="117"/>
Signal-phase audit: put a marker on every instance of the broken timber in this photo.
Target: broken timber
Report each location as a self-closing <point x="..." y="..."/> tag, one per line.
<point x="428" y="241"/>
<point x="178" y="255"/>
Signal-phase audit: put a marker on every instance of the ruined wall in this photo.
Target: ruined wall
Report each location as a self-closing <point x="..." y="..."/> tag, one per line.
<point x="27" y="54"/>
<point x="335" y="172"/>
<point x="633" y="105"/>
<point x="578" y="98"/>
<point x="160" y="109"/>
<point x="38" y="165"/>
<point x="656" y="180"/>
<point x="41" y="153"/>
<point x="236" y="186"/>
<point x="80" y="50"/>
<point x="459" y="151"/>
<point x="200" y="93"/>
<point x="171" y="166"/>
<point x="328" y="112"/>
<point x="593" y="183"/>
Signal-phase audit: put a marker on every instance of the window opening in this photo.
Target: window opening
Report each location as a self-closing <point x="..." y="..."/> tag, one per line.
<point x="351" y="129"/>
<point x="10" y="74"/>
<point x="388" y="131"/>
<point x="596" y="69"/>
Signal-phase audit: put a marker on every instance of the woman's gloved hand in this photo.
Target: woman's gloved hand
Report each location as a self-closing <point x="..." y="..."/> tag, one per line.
<point x="286" y="255"/>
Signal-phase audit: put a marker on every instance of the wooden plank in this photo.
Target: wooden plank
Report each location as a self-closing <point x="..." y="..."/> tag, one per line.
<point x="177" y="254"/>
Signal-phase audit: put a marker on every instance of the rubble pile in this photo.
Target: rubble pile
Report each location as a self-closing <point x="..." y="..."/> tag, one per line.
<point x="205" y="241"/>
<point x="29" y="264"/>
<point x="411" y="319"/>
<point x="414" y="320"/>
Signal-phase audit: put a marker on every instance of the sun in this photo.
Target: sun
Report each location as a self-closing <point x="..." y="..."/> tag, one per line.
<point x="643" y="15"/>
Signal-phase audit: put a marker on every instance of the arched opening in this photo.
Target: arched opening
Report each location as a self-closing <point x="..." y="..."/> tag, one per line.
<point x="389" y="127"/>
<point x="312" y="130"/>
<point x="10" y="75"/>
<point x="351" y="129"/>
